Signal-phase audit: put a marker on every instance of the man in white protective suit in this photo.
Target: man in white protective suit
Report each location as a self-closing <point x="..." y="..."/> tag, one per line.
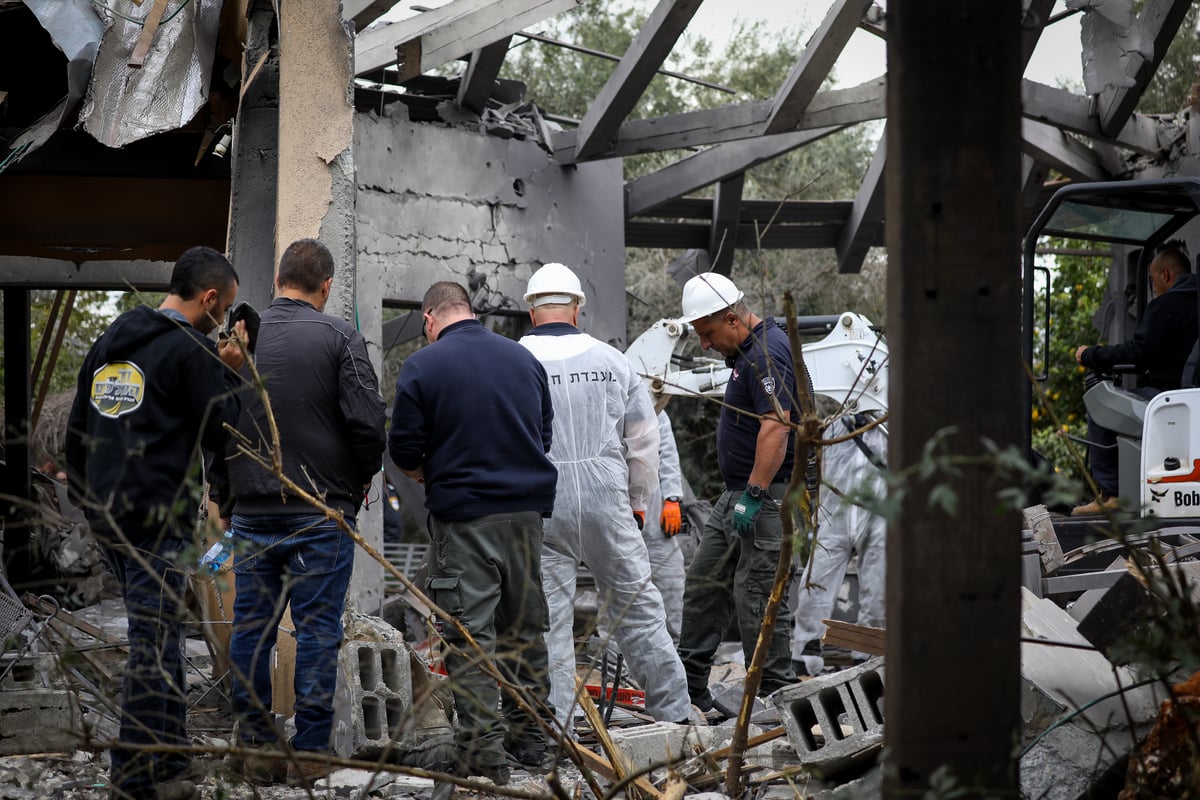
<point x="605" y="445"/>
<point x="855" y="468"/>
<point x="664" y="521"/>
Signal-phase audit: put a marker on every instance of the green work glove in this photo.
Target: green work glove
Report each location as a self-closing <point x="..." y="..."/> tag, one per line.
<point x="745" y="513"/>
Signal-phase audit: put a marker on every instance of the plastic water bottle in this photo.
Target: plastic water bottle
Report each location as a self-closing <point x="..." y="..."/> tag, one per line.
<point x="212" y="561"/>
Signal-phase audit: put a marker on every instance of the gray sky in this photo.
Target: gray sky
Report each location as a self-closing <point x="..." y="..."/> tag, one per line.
<point x="1056" y="59"/>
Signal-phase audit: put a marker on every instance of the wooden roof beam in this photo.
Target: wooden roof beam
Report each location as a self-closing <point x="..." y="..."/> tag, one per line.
<point x="864" y="227"/>
<point x="363" y="12"/>
<point x="1034" y="14"/>
<point x="836" y="107"/>
<point x="813" y="66"/>
<point x="1034" y="192"/>
<point x="633" y="74"/>
<point x="1073" y="112"/>
<point x="1161" y="18"/>
<point x="865" y="224"/>
<point x="727" y="210"/>
<point x="1071" y="157"/>
<point x="476" y="85"/>
<point x="711" y="166"/>
<point x="443" y="34"/>
<point x="32" y="272"/>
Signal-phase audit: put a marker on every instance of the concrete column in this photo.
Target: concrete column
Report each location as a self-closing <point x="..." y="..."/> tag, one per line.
<point x="316" y="192"/>
<point x="953" y="237"/>
<point x="255" y="162"/>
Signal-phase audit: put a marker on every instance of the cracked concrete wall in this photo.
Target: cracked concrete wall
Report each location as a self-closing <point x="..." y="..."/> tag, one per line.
<point x="316" y="196"/>
<point x="254" y="160"/>
<point x="445" y="203"/>
<point x="316" y="134"/>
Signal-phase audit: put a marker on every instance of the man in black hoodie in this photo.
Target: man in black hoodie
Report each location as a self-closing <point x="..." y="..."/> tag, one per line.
<point x="152" y="392"/>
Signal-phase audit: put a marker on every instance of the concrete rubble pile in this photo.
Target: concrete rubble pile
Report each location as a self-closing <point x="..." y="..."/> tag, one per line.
<point x="1085" y="714"/>
<point x="59" y="704"/>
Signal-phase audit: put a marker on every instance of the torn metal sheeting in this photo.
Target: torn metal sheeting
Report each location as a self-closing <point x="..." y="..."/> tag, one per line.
<point x="76" y="30"/>
<point x="126" y="104"/>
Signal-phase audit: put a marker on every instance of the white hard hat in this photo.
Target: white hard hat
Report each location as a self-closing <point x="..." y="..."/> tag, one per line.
<point x="554" y="283"/>
<point x="707" y="293"/>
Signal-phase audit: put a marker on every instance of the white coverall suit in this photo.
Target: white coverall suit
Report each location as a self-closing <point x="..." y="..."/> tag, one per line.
<point x="606" y="449"/>
<point x="843" y="528"/>
<point x="666" y="555"/>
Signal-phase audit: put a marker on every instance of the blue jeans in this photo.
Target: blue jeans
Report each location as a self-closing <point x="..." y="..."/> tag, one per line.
<point x="307" y="560"/>
<point x="153" y="705"/>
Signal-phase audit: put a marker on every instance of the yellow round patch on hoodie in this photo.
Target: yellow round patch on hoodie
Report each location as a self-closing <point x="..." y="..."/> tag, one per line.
<point x="118" y="388"/>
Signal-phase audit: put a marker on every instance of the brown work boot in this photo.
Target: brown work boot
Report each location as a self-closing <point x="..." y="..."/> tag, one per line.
<point x="302" y="772"/>
<point x="1105" y="504"/>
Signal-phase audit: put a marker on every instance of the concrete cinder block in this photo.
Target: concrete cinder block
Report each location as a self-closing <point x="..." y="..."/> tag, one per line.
<point x="36" y="671"/>
<point x="379" y="685"/>
<point x="835" y="721"/>
<point x="657" y="743"/>
<point x="646" y="745"/>
<point x="38" y="721"/>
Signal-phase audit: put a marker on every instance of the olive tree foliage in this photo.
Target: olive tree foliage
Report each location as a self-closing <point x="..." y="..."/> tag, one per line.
<point x="90" y="315"/>
<point x="1076" y="291"/>
<point x="755" y="62"/>
<point x="1172" y="85"/>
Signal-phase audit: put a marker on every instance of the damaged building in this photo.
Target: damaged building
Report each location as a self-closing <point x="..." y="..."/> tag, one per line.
<point x="134" y="130"/>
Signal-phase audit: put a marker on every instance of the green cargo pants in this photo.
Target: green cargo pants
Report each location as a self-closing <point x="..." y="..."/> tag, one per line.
<point x="486" y="573"/>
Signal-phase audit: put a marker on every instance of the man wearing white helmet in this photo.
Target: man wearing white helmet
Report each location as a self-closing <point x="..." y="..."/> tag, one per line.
<point x="605" y="446"/>
<point x="739" y="549"/>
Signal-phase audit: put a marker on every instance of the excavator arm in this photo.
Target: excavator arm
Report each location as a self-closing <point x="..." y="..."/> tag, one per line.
<point x="850" y="365"/>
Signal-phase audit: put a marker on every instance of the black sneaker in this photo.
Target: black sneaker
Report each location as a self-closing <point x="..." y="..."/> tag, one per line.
<point x="532" y="758"/>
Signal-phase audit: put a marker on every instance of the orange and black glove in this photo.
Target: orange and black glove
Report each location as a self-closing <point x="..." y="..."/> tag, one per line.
<point x="640" y="518"/>
<point x="671" y="520"/>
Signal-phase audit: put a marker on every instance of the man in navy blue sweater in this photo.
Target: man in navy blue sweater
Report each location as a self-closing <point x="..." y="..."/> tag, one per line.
<point x="472" y="422"/>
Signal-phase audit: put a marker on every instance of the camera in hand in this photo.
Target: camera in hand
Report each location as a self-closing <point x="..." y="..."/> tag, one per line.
<point x="244" y="312"/>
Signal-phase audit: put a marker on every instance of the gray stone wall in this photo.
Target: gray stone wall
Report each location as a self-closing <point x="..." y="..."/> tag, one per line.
<point x="437" y="202"/>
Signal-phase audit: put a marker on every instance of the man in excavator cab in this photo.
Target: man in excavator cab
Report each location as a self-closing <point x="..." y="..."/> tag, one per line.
<point x="1146" y="404"/>
<point x="1157" y="352"/>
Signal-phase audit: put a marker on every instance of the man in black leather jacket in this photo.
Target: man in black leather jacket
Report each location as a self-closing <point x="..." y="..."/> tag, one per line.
<point x="325" y="400"/>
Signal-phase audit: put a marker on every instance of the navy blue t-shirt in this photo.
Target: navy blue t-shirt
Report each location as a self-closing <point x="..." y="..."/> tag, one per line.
<point x="762" y="374"/>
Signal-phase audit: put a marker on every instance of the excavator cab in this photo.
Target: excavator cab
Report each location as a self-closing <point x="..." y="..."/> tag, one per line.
<point x="1158" y="441"/>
